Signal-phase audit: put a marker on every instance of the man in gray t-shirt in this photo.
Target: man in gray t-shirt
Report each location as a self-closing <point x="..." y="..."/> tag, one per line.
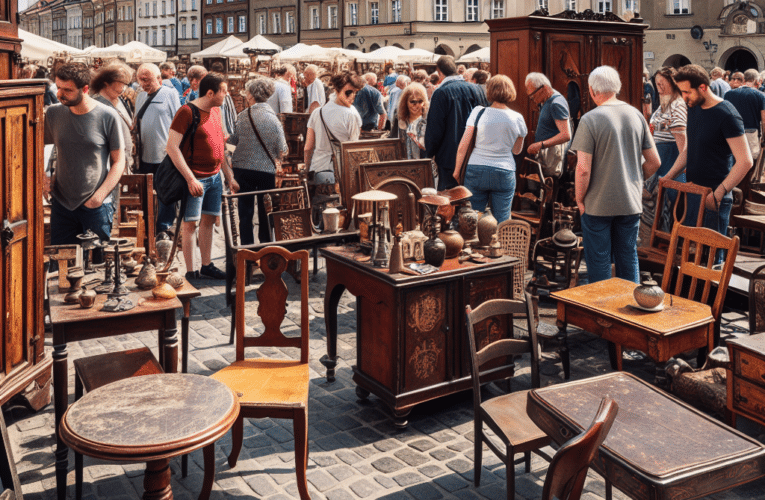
<point x="88" y="138"/>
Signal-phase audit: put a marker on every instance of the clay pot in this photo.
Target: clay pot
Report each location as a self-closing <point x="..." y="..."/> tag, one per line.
<point x="495" y="249"/>
<point x="174" y="279"/>
<point x="468" y="223"/>
<point x="73" y="297"/>
<point x="434" y="252"/>
<point x="147" y="278"/>
<point x="648" y="294"/>
<point x="87" y="298"/>
<point x="331" y="220"/>
<point x="74" y="276"/>
<point x="487" y="227"/>
<point x="163" y="290"/>
<point x="453" y="242"/>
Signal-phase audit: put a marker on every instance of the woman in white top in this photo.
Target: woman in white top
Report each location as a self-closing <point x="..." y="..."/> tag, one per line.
<point x="106" y="87"/>
<point x="500" y="131"/>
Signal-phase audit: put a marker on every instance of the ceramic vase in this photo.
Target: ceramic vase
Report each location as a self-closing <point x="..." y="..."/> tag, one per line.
<point x="74" y="276"/>
<point x="468" y="224"/>
<point x="174" y="279"/>
<point x="487" y="227"/>
<point x="648" y="294"/>
<point x="163" y="290"/>
<point x="87" y="298"/>
<point x="331" y="220"/>
<point x="147" y="278"/>
<point x="453" y="242"/>
<point x="434" y="252"/>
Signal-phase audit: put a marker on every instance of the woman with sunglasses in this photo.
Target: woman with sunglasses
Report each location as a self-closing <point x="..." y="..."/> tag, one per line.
<point x="412" y="119"/>
<point x="106" y="87"/>
<point x="343" y="123"/>
<point x="499" y="135"/>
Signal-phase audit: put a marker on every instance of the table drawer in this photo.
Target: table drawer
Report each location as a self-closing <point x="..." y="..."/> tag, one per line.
<point x="749" y="366"/>
<point x="748" y="397"/>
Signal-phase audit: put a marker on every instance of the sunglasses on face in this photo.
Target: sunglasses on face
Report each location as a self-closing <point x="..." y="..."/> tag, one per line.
<point x="416" y="101"/>
<point x="537" y="90"/>
<point x="349" y="93"/>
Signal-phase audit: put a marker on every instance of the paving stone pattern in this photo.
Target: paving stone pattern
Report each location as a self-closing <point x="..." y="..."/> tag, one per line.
<point x="355" y="451"/>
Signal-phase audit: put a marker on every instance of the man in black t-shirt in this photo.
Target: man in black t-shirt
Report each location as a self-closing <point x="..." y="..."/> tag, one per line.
<point x="750" y="103"/>
<point x="715" y="140"/>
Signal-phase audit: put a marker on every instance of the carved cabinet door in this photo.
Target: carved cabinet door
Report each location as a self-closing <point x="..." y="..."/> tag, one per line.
<point x="428" y="336"/>
<point x="568" y="61"/>
<point x="625" y="54"/>
<point x="21" y="283"/>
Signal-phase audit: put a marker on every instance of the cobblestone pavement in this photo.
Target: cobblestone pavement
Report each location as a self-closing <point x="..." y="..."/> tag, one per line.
<point x="354" y="452"/>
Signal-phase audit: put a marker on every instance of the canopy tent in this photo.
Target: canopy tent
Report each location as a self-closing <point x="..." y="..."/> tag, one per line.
<point x="37" y="48"/>
<point x="219" y="49"/>
<point x="480" y="55"/>
<point x="418" y="56"/>
<point x="132" y="52"/>
<point x="258" y="42"/>
<point x="383" y="54"/>
<point x="306" y="53"/>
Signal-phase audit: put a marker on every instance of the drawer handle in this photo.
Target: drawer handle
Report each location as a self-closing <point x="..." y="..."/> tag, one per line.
<point x="565" y="432"/>
<point x="741" y="399"/>
<point x="744" y="361"/>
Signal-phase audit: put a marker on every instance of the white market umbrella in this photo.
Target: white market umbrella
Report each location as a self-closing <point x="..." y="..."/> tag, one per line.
<point x="218" y="49"/>
<point x="388" y="53"/>
<point x="418" y="56"/>
<point x="480" y="55"/>
<point x="305" y="53"/>
<point x="37" y="48"/>
<point x="140" y="52"/>
<point x="258" y="42"/>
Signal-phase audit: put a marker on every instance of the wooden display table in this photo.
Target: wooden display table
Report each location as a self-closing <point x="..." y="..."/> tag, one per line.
<point x="606" y="309"/>
<point x="411" y="334"/>
<point x="746" y="378"/>
<point x="152" y="419"/>
<point x="659" y="448"/>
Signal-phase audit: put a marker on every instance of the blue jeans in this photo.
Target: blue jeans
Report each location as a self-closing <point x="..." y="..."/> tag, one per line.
<point x="608" y="239"/>
<point x="66" y="224"/>
<point x="165" y="213"/>
<point x="497" y="184"/>
<point x="208" y="203"/>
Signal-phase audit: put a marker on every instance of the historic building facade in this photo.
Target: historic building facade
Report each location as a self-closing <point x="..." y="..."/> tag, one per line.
<point x="74" y="23"/>
<point x="277" y="21"/>
<point x="125" y="25"/>
<point x="223" y="18"/>
<point x="189" y="22"/>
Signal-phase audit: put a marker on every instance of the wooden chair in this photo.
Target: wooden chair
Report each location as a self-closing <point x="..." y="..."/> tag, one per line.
<point x="532" y="197"/>
<point x="568" y="469"/>
<point x="654" y="255"/>
<point x="9" y="478"/>
<point x="504" y="415"/>
<point x="274" y="388"/>
<point x="515" y="238"/>
<point x="757" y="301"/>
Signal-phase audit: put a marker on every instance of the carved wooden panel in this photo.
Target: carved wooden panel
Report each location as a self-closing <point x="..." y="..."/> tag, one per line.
<point x="479" y="291"/>
<point x="620" y="53"/>
<point x="292" y="224"/>
<point x="405" y="179"/>
<point x="429" y="341"/>
<point x="357" y="152"/>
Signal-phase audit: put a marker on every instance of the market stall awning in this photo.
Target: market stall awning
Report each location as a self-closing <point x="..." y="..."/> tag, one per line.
<point x="219" y="49"/>
<point x="306" y="53"/>
<point x="384" y="54"/>
<point x="256" y="43"/>
<point x="480" y="55"/>
<point x="132" y="52"/>
<point x="37" y="48"/>
<point x="418" y="56"/>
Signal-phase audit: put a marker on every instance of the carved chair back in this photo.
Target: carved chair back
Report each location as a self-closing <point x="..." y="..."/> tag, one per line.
<point x="272" y="300"/>
<point x="660" y="239"/>
<point x="136" y="192"/>
<point x="504" y="347"/>
<point x="534" y="194"/>
<point x="568" y="469"/>
<point x="697" y="272"/>
<point x="515" y="238"/>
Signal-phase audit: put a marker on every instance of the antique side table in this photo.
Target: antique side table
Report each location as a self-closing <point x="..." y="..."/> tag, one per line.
<point x="152" y="419"/>
<point x="70" y="323"/>
<point x="659" y="448"/>
<point x="606" y="308"/>
<point x="746" y="378"/>
<point x="411" y="334"/>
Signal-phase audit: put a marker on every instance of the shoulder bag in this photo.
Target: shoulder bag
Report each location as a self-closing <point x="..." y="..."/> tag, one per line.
<point x="168" y="181"/>
<point x="471" y="146"/>
<point x="137" y="127"/>
<point x="263" y="144"/>
<point x="334" y="144"/>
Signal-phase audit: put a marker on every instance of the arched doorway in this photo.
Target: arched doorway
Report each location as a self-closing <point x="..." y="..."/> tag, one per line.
<point x="373" y="47"/>
<point x="352" y="46"/>
<point x="444" y="50"/>
<point x="741" y="60"/>
<point x="472" y="48"/>
<point x="398" y="45"/>
<point x="677" y="61"/>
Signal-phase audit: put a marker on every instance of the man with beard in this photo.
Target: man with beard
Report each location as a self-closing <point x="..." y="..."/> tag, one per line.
<point x="88" y="138"/>
<point x="715" y="138"/>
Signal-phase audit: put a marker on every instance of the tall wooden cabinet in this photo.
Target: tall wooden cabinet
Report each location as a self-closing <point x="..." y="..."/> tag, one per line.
<point x="566" y="48"/>
<point x="25" y="366"/>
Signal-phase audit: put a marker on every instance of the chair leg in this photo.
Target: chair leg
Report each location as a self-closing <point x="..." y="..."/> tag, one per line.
<point x="528" y="461"/>
<point x="207" y="482"/>
<point x="510" y="464"/>
<point x="609" y="490"/>
<point x="478" y="451"/>
<point x="233" y="322"/>
<point x="237" y="435"/>
<point x="300" y="429"/>
<point x="78" y="475"/>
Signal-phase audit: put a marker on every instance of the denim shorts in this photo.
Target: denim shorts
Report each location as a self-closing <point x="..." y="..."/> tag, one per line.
<point x="208" y="203"/>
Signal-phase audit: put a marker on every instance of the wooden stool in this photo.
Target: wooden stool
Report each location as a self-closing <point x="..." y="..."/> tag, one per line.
<point x="97" y="371"/>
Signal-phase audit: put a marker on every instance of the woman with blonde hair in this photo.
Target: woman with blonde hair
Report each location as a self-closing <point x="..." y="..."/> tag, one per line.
<point x="412" y="119"/>
<point x="107" y="86"/>
<point x="499" y="135"/>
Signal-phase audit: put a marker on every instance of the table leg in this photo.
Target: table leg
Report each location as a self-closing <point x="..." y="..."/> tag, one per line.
<point x="209" y="477"/>
<point x="562" y="341"/>
<point x="60" y="401"/>
<point x="185" y="368"/>
<point x="331" y="301"/>
<point x="170" y="343"/>
<point x="156" y="481"/>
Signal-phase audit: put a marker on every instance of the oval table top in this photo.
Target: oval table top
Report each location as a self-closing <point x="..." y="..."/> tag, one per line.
<point x="150" y="417"/>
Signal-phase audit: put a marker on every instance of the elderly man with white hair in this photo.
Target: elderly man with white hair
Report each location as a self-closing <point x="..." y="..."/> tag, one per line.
<point x="611" y="142"/>
<point x="369" y="104"/>
<point x="314" y="88"/>
<point x="553" y="133"/>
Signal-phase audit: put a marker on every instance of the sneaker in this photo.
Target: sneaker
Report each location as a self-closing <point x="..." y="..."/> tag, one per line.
<point x="192" y="275"/>
<point x="213" y="272"/>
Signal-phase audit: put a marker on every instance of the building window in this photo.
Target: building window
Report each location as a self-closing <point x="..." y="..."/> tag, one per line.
<point x="218" y="25"/>
<point x="230" y="24"/>
<point x="542" y="4"/>
<point x="332" y="17"/>
<point x="395" y="11"/>
<point x="242" y="24"/>
<point x="146" y="9"/>
<point x="154" y="38"/>
<point x="208" y="27"/>
<point x="471" y="7"/>
<point x="604" y="6"/>
<point x="262" y="28"/>
<point x="130" y="12"/>
<point x="497" y="9"/>
<point x="164" y="37"/>
<point x="194" y="34"/>
<point x="441" y="13"/>
<point x="374" y="9"/>
<point x="571" y="5"/>
<point x="164" y="8"/>
<point x="353" y="14"/>
<point x="277" y="19"/>
<point x="680" y="6"/>
<point x="183" y="31"/>
<point x="290" y="22"/>
<point x="172" y="6"/>
<point x="315" y="21"/>
<point x="139" y="36"/>
<point x="183" y="5"/>
<point x="155" y="9"/>
<point x="631" y="5"/>
<point x="209" y="2"/>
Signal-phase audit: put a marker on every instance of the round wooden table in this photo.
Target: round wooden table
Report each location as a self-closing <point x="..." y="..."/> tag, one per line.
<point x="152" y="419"/>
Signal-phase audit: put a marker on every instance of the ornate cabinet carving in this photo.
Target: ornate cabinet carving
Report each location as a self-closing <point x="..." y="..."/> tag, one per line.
<point x="566" y="50"/>
<point x="10" y="44"/>
<point x="746" y="379"/>
<point x="26" y="366"/>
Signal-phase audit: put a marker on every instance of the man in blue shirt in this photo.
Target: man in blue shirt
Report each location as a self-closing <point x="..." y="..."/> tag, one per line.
<point x="552" y="134"/>
<point x="718" y="85"/>
<point x="390" y="78"/>
<point x="368" y="103"/>
<point x="167" y="69"/>
<point x="750" y="104"/>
